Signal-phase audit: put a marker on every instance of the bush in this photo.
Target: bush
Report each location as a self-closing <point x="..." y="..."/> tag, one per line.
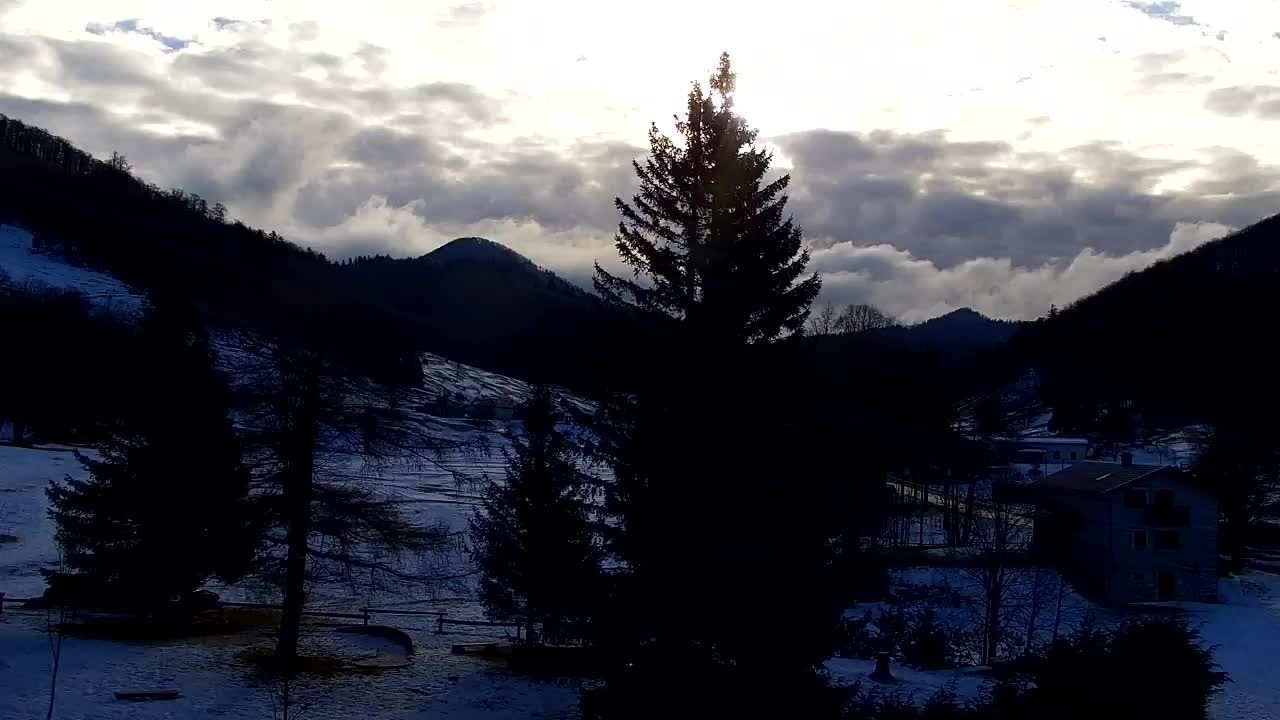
<point x="909" y="629"/>
<point x="1153" y="668"/>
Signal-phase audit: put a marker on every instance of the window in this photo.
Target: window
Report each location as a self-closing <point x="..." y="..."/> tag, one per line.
<point x="1164" y="498"/>
<point x="1057" y="454"/>
<point x="1166" y="539"/>
<point x="1073" y="454"/>
<point x="1135" y="498"/>
<point x="1139" y="539"/>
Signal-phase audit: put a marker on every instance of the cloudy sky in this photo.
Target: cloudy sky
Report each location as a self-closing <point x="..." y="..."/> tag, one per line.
<point x="997" y="155"/>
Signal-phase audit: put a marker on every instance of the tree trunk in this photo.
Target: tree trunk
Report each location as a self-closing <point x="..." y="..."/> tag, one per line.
<point x="298" y="500"/>
<point x="993" y="616"/>
<point x="1035" y="605"/>
<point x="1057" y="613"/>
<point x="299" y="469"/>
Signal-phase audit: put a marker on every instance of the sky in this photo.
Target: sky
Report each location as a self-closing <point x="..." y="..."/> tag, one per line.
<point x="1003" y="156"/>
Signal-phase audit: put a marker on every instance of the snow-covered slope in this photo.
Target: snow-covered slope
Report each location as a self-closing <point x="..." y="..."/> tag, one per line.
<point x="23" y="264"/>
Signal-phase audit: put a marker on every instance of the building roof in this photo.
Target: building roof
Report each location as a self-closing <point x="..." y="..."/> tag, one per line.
<point x="1096" y="477"/>
<point x="1051" y="440"/>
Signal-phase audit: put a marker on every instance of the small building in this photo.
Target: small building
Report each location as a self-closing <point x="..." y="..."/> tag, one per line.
<point x="1045" y="454"/>
<point x="1124" y="533"/>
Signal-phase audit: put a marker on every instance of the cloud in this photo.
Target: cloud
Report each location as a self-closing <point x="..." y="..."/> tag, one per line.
<point x="948" y="202"/>
<point x="914" y="289"/>
<point x="1262" y="101"/>
<point x="1166" y="11"/>
<point x="466" y="14"/>
<point x="1162" y="79"/>
<point x="306" y="127"/>
<point x="132" y="25"/>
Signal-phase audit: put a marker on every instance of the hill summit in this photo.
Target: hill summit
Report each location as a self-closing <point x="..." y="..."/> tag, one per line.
<point x="476" y="249"/>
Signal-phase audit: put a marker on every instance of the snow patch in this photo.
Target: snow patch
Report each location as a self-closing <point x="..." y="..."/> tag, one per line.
<point x="24" y="264"/>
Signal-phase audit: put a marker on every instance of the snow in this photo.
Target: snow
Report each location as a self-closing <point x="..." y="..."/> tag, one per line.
<point x="212" y="674"/>
<point x="1244" y="633"/>
<point x="215" y="679"/>
<point x="24" y="475"/>
<point x="917" y="685"/>
<point x="22" y="264"/>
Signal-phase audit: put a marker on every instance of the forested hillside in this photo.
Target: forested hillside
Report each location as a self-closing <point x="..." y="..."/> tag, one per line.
<point x="1187" y="340"/>
<point x="98" y="213"/>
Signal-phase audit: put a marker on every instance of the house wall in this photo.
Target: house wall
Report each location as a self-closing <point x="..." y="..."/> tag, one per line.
<point x="1083" y="559"/>
<point x="1194" y="564"/>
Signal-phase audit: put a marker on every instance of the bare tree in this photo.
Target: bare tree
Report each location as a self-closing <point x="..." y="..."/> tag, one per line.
<point x="119" y="163"/>
<point x="822" y="322"/>
<point x="319" y="437"/>
<point x="995" y="565"/>
<point x="861" y="318"/>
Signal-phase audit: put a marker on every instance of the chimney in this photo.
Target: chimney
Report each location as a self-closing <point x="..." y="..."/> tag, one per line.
<point x="1126" y="458"/>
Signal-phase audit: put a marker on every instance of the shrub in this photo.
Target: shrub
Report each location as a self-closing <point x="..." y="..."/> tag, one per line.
<point x="1152" y="668"/>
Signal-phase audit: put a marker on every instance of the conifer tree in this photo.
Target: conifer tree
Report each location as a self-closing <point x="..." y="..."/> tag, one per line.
<point x="709" y="231"/>
<point x="533" y="540"/>
<point x="165" y="504"/>
<point x="709" y="528"/>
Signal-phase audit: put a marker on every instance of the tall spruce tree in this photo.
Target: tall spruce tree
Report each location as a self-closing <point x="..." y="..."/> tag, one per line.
<point x="711" y="533"/>
<point x="533" y="539"/>
<point x="709" y="233"/>
<point x="165" y="505"/>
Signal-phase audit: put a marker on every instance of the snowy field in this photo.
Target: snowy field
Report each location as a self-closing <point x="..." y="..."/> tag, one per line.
<point x="214" y="678"/>
<point x="23" y="265"/>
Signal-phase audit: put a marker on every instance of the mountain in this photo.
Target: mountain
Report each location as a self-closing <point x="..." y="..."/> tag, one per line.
<point x="472" y="299"/>
<point x="476" y="249"/>
<point x="482" y="303"/>
<point x="959" y="331"/>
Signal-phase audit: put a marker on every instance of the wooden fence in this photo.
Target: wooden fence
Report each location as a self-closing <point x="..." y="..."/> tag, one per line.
<point x="364" y="615"/>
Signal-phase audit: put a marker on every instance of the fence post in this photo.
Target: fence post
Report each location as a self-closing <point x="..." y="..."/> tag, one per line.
<point x="365" y="612"/>
<point x="440" y="625"/>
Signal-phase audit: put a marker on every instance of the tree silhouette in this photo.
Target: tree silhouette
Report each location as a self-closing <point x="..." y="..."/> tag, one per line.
<point x="709" y="232"/>
<point x="708" y="536"/>
<point x="860" y="318"/>
<point x="534" y="543"/>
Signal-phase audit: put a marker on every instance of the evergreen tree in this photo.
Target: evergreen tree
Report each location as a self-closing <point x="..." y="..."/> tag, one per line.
<point x="709" y="232"/>
<point x="533" y="541"/>
<point x="164" y="507"/>
<point x="710" y="534"/>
